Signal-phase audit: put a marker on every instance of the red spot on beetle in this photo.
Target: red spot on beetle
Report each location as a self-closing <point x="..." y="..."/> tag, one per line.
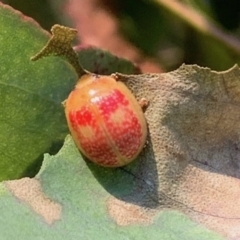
<point x="84" y="116"/>
<point x="110" y="103"/>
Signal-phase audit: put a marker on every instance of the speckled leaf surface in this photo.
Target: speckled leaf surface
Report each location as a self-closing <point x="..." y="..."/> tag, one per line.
<point x="192" y="160"/>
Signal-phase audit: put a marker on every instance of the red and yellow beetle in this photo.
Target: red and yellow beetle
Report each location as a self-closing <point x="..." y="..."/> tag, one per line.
<point x="107" y="123"/>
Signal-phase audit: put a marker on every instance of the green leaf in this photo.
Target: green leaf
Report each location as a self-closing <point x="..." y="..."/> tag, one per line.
<point x="41" y="11"/>
<point x="102" y="62"/>
<point x="74" y="199"/>
<point x="31" y="116"/>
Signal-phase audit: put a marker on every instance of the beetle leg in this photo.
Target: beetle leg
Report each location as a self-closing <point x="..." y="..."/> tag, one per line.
<point x="146" y="144"/>
<point x="143" y="102"/>
<point x="115" y="76"/>
<point x="64" y="102"/>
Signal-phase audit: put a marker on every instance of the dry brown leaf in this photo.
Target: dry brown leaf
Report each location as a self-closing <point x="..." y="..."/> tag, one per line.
<point x="192" y="160"/>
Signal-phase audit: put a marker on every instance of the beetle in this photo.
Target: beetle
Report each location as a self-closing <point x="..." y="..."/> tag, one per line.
<point x="106" y="121"/>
